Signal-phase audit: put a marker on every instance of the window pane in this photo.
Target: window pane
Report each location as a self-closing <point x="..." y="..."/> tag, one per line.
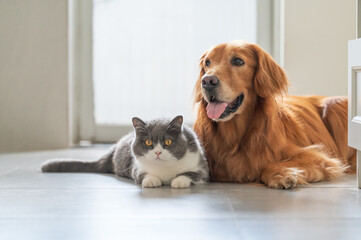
<point x="146" y="52"/>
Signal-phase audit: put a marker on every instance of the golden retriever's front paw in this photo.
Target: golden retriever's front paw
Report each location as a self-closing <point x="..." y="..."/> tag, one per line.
<point x="151" y="182"/>
<point x="288" y="179"/>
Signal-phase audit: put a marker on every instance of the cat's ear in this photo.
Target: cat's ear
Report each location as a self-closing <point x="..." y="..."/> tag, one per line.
<point x="175" y="126"/>
<point x="137" y="122"/>
<point x="177" y="121"/>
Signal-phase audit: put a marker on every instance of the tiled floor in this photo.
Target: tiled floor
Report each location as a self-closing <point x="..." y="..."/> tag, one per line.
<point x="35" y="205"/>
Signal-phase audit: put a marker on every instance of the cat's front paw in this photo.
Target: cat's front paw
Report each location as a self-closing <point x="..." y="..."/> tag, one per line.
<point x="151" y="182"/>
<point x="181" y="182"/>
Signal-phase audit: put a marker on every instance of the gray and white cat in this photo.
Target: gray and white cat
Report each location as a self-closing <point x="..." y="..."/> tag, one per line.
<point x="157" y="152"/>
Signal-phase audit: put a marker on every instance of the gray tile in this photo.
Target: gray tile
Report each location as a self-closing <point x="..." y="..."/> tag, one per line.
<point x="22" y="170"/>
<point x="35" y="205"/>
<point x="35" y="179"/>
<point x="346" y="181"/>
<point x="301" y="229"/>
<point x="33" y="160"/>
<point x="264" y="203"/>
<point x="110" y="228"/>
<point x="119" y="203"/>
<point x="26" y="177"/>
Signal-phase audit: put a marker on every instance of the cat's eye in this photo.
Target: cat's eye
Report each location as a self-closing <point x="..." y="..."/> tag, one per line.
<point x="168" y="142"/>
<point x="148" y="143"/>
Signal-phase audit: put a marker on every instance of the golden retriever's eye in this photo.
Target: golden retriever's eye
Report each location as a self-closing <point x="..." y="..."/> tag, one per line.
<point x="208" y="63"/>
<point x="148" y="143"/>
<point x="237" y="62"/>
<point x="168" y="142"/>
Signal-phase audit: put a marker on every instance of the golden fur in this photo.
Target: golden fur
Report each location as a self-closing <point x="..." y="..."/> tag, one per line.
<point x="272" y="138"/>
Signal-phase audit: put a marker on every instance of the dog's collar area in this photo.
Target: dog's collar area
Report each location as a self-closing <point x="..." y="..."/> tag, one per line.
<point x="233" y="106"/>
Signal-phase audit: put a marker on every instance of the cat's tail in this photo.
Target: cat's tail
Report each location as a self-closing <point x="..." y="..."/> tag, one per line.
<point x="103" y="165"/>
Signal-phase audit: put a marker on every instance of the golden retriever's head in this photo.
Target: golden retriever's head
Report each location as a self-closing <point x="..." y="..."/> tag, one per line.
<point x="233" y="75"/>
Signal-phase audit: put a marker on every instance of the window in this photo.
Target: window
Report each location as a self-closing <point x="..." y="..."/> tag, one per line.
<point x="145" y="55"/>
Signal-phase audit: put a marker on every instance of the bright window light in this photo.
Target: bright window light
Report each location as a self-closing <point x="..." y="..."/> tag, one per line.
<point x="146" y="52"/>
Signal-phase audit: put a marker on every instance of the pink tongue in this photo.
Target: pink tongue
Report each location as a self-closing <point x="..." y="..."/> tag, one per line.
<point x="215" y="110"/>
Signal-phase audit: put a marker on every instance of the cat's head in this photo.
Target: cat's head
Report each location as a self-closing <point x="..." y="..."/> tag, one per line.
<point x="159" y="141"/>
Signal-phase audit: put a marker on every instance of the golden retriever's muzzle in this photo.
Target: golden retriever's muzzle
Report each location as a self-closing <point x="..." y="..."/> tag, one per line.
<point x="210" y="87"/>
<point x="216" y="108"/>
<point x="209" y="82"/>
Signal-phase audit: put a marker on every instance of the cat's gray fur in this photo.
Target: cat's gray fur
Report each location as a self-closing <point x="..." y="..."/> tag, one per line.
<point x="181" y="163"/>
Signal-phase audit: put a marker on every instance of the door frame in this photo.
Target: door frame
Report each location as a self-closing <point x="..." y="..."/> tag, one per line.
<point x="354" y="67"/>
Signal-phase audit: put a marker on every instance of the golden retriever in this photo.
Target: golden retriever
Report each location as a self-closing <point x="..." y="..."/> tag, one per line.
<point x="253" y="132"/>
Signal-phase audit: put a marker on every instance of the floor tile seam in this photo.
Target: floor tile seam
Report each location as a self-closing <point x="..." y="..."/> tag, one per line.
<point x="243" y="187"/>
<point x="57" y="188"/>
<point x="8" y="172"/>
<point x="326" y="187"/>
<point x="239" y="228"/>
<point x="283" y="190"/>
<point x="290" y="190"/>
<point x="127" y="218"/>
<point x="298" y="218"/>
<point x="105" y="188"/>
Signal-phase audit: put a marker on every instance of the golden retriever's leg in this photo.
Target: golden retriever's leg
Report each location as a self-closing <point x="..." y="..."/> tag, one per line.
<point x="351" y="160"/>
<point x="310" y="165"/>
<point x="334" y="116"/>
<point x="219" y="173"/>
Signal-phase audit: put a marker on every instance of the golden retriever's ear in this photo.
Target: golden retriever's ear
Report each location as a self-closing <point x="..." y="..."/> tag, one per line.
<point x="270" y="79"/>
<point x="197" y="93"/>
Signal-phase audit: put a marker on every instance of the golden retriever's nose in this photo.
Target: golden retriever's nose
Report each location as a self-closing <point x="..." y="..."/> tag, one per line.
<point x="209" y="82"/>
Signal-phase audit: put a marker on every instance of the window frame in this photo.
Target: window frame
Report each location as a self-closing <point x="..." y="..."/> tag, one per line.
<point x="82" y="120"/>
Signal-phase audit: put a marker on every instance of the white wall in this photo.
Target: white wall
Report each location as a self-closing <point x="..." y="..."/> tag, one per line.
<point x="316" y="35"/>
<point x="33" y="75"/>
<point x="34" y="63"/>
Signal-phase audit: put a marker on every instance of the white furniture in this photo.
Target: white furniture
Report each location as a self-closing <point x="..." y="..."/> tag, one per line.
<point x="354" y="93"/>
<point x="354" y="108"/>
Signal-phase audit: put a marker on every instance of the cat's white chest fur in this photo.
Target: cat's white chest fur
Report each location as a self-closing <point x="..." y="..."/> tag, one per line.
<point x="165" y="166"/>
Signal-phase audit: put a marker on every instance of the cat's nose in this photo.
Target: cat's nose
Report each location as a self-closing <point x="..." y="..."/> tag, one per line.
<point x="158" y="153"/>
